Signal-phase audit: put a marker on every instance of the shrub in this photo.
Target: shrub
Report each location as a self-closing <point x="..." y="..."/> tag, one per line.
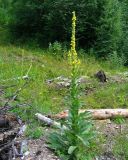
<point x="115" y="60"/>
<point x="49" y="21"/>
<point x="124" y="44"/>
<point x="109" y="30"/>
<point x="55" y="48"/>
<point x="101" y="25"/>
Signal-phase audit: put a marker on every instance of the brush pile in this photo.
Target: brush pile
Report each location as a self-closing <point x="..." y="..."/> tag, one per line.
<point x="11" y="129"/>
<point x="11" y="126"/>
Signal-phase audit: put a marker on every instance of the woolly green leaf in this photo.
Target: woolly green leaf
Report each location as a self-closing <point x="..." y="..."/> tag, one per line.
<point x="84" y="142"/>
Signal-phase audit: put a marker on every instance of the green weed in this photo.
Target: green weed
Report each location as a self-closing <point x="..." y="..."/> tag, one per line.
<point x="74" y="142"/>
<point x="120" y="148"/>
<point x="34" y="132"/>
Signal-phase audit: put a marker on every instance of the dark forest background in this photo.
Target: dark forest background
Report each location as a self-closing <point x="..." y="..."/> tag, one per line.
<point x="102" y="26"/>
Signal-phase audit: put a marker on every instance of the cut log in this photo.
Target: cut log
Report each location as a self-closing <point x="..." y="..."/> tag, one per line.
<point x="98" y="114"/>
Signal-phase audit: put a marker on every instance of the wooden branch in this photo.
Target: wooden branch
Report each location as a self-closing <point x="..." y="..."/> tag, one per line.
<point x="6" y="146"/>
<point x="16" y="78"/>
<point x="48" y="121"/>
<point x="98" y="114"/>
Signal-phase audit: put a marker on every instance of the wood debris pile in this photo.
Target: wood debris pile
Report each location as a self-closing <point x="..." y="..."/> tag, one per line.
<point x="11" y="126"/>
<point x="11" y="130"/>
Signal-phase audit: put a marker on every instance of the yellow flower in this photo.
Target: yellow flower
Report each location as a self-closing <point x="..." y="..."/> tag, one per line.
<point x="72" y="55"/>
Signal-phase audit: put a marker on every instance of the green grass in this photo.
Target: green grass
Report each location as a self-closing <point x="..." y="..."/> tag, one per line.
<point x="120" y="148"/>
<point x="16" y="61"/>
<point x="110" y="96"/>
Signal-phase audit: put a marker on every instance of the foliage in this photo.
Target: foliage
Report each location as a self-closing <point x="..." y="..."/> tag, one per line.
<point x="15" y="61"/>
<point x="116" y="61"/>
<point x="124" y="39"/>
<point x="120" y="148"/>
<point x="4" y="12"/>
<point x="74" y="142"/>
<point x="29" y="19"/>
<point x="101" y="25"/>
<point x="109" y="30"/>
<point x="55" y="48"/>
<point x="49" y="21"/>
<point x="47" y="98"/>
<point x="34" y="132"/>
<point x="119" y="120"/>
<point x="112" y="95"/>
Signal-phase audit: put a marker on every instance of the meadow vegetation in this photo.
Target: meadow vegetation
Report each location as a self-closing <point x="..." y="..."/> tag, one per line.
<point x="34" y="56"/>
<point x="15" y="62"/>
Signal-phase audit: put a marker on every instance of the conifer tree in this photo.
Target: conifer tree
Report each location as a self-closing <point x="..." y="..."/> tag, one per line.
<point x="124" y="42"/>
<point x="109" y="30"/>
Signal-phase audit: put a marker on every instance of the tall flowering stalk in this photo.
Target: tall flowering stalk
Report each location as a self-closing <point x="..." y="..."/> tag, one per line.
<point x="80" y="125"/>
<point x="74" y="62"/>
<point x="74" y="142"/>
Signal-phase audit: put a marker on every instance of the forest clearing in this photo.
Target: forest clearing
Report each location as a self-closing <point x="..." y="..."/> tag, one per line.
<point x="46" y="91"/>
<point x="63" y="82"/>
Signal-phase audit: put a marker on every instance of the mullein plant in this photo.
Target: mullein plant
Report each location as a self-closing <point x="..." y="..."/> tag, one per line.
<point x="75" y="140"/>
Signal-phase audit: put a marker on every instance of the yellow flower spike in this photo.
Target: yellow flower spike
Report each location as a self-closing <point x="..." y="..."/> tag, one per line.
<point x="72" y="55"/>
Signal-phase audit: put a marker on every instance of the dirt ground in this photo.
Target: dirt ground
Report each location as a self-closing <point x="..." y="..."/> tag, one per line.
<point x="38" y="149"/>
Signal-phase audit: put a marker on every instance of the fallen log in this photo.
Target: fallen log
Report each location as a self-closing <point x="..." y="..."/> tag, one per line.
<point x="97" y="114"/>
<point x="48" y="121"/>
